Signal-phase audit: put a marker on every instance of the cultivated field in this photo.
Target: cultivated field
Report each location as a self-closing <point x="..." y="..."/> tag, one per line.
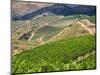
<point x="57" y="56"/>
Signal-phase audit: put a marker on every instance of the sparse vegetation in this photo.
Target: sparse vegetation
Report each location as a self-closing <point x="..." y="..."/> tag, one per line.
<point x="90" y="18"/>
<point x="47" y="32"/>
<point x="93" y="19"/>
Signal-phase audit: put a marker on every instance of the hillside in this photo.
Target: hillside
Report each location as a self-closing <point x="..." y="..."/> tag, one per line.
<point x="34" y="9"/>
<point x="32" y="33"/>
<point x="20" y="8"/>
<point x="47" y="32"/>
<point x="57" y="56"/>
<point x="48" y="37"/>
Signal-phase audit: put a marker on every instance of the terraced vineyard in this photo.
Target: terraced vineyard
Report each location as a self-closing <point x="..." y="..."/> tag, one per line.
<point x="57" y="56"/>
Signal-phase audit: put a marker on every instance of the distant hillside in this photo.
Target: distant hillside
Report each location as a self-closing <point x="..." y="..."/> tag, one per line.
<point x="58" y="9"/>
<point x="22" y="8"/>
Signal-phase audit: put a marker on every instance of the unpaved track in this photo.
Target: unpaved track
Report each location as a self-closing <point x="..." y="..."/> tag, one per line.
<point x="86" y="28"/>
<point x="33" y="33"/>
<point x="81" y="58"/>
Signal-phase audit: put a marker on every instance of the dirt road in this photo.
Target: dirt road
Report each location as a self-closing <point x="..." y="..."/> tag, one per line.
<point x="33" y="33"/>
<point x="86" y="28"/>
<point x="81" y="58"/>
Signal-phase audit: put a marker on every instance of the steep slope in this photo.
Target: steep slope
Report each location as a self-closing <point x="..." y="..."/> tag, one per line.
<point x="70" y="31"/>
<point x="47" y="32"/>
<point x="56" y="56"/>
